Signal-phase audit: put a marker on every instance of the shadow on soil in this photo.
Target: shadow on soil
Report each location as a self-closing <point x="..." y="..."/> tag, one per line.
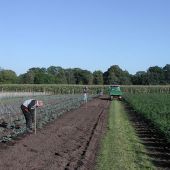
<point x="104" y="98"/>
<point x="156" y="144"/>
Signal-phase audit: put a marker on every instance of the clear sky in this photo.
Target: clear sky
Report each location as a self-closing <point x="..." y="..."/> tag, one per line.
<point x="89" y="34"/>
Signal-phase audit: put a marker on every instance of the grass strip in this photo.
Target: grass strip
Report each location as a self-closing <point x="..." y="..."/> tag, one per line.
<point x="121" y="149"/>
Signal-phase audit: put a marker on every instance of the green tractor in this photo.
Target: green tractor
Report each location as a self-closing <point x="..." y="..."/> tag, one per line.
<point x="115" y="92"/>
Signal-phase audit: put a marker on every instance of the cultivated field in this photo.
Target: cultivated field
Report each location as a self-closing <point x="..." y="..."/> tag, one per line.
<point x="102" y="134"/>
<point x="69" y="142"/>
<point x="12" y="121"/>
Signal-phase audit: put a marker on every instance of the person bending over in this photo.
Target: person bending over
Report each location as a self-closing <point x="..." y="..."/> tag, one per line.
<point x="28" y="109"/>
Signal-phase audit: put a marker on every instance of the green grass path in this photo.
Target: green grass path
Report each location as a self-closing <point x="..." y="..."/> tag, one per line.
<point x="121" y="148"/>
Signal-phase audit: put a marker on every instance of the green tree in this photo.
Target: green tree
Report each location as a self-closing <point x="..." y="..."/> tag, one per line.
<point x="83" y="76"/>
<point x="166" y="71"/>
<point x="98" y="77"/>
<point x="69" y="73"/>
<point x="8" y="77"/>
<point x="155" y="75"/>
<point x="36" y="75"/>
<point x="115" y="75"/>
<point x="27" y="78"/>
<point x="140" y="78"/>
<point x="58" y="73"/>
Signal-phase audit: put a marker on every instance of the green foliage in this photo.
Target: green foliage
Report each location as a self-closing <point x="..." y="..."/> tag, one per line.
<point x="83" y="76"/>
<point x="154" y="76"/>
<point x="36" y="76"/>
<point x="69" y="73"/>
<point x="115" y="75"/>
<point x="54" y="106"/>
<point x="166" y="70"/>
<point x="146" y="89"/>
<point x="121" y="148"/>
<point x="7" y="76"/>
<point x="97" y="78"/>
<point x="56" y="75"/>
<point x="51" y="88"/>
<point x="154" y="106"/>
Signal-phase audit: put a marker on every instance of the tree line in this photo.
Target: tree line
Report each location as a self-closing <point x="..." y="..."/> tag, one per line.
<point x="114" y="75"/>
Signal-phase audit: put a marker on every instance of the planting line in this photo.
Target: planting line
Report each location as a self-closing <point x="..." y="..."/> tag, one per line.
<point x="82" y="156"/>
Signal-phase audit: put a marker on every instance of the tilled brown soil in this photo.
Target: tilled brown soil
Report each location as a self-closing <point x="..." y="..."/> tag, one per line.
<point x="70" y="142"/>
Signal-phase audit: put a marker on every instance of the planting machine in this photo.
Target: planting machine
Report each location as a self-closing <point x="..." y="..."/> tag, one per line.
<point x="115" y="92"/>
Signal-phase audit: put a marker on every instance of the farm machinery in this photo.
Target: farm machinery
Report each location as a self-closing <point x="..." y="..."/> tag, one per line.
<point x="115" y="92"/>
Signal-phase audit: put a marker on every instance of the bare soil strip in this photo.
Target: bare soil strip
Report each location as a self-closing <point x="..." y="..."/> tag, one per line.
<point x="158" y="148"/>
<point x="70" y="142"/>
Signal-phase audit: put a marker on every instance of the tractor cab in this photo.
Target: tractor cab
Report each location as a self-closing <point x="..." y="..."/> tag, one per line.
<point x="115" y="92"/>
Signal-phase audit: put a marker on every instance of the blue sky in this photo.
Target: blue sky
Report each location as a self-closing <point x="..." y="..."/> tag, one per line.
<point x="89" y="34"/>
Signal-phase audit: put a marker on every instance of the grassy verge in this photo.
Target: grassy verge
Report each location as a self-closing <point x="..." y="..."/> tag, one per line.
<point x="121" y="148"/>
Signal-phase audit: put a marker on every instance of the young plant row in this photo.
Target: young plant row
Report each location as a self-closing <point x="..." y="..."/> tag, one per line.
<point x="154" y="107"/>
<point x="12" y="121"/>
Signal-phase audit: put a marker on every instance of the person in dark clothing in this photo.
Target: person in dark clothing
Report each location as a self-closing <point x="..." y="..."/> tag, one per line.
<point x="28" y="108"/>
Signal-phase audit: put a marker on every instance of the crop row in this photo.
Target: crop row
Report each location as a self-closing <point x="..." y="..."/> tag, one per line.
<point x="52" y="89"/>
<point x="77" y="89"/>
<point x="12" y="121"/>
<point x="154" y="107"/>
<point x="136" y="89"/>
